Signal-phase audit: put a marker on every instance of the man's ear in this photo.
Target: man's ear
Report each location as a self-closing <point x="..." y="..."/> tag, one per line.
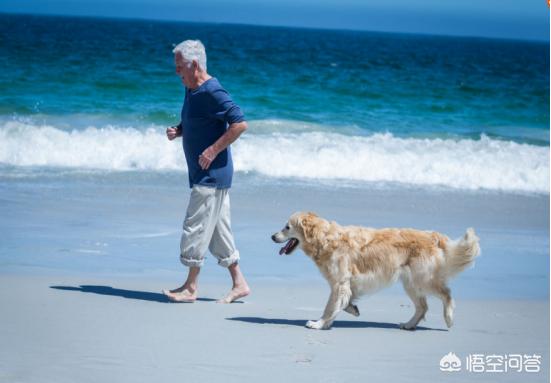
<point x="195" y="64"/>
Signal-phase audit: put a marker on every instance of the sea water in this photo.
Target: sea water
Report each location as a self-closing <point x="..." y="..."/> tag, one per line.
<point x="89" y="182"/>
<point x="431" y="111"/>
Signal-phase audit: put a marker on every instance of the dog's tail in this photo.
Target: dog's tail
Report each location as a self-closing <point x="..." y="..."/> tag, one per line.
<point x="460" y="254"/>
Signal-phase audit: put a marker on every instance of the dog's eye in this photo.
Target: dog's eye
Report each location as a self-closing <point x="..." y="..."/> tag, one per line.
<point x="287" y="227"/>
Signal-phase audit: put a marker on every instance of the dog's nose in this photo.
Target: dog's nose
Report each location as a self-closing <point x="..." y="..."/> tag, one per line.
<point x="273" y="237"/>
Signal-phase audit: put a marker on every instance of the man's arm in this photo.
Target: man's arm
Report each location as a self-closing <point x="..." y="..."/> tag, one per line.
<point x="232" y="134"/>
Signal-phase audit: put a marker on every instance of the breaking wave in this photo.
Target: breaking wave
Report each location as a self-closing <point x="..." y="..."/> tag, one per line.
<point x="304" y="151"/>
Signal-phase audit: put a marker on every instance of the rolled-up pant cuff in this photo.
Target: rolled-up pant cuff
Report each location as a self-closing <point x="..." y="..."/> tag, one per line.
<point x="228" y="261"/>
<point x="191" y="262"/>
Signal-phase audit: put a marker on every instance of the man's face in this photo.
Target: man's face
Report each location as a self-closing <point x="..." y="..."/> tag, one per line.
<point x="184" y="70"/>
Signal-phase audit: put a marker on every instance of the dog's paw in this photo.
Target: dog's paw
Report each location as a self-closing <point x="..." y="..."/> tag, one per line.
<point x="316" y="324"/>
<point x="407" y="326"/>
<point x="352" y="309"/>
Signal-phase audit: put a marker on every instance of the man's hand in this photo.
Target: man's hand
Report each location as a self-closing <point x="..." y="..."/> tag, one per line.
<point x="210" y="153"/>
<point x="206" y="158"/>
<point x="173" y="132"/>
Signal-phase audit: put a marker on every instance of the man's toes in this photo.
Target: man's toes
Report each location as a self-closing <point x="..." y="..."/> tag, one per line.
<point x="234" y="295"/>
<point x="182" y="297"/>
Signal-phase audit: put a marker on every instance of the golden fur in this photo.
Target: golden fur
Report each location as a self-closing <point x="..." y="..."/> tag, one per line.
<point x="358" y="260"/>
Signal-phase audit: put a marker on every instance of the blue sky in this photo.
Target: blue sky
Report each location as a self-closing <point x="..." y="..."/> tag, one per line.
<point x="524" y="19"/>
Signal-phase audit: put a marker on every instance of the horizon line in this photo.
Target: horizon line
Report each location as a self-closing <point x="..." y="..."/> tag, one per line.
<point x="161" y="20"/>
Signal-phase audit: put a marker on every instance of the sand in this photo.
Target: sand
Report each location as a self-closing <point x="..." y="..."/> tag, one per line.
<point x="83" y="263"/>
<point x="124" y="330"/>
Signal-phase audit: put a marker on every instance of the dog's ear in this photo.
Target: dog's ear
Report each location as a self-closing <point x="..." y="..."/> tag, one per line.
<point x="308" y="222"/>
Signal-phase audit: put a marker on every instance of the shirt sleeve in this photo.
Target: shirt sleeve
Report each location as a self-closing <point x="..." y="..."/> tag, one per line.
<point x="224" y="108"/>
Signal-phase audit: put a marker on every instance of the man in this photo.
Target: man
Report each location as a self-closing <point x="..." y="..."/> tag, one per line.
<point x="210" y="122"/>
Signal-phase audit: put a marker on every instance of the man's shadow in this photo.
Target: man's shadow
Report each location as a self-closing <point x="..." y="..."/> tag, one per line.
<point x="129" y="294"/>
<point x="338" y="323"/>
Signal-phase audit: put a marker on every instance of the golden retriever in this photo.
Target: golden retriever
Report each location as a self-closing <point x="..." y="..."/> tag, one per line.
<point x="357" y="260"/>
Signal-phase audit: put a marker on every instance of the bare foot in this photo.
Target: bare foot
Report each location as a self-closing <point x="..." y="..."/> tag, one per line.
<point x="181" y="295"/>
<point x="177" y="290"/>
<point x="234" y="294"/>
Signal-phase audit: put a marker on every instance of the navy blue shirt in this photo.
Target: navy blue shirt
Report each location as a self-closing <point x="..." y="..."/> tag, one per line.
<point x="206" y="113"/>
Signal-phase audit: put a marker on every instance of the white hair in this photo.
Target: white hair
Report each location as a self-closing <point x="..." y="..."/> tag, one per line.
<point x="192" y="50"/>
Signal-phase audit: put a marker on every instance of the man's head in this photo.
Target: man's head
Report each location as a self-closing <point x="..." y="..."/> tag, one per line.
<point x="190" y="59"/>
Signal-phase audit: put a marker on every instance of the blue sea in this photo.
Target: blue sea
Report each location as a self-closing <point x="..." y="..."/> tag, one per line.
<point x="84" y="95"/>
<point x="376" y="129"/>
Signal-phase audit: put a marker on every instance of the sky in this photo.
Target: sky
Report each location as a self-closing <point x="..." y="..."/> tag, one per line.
<point x="518" y="19"/>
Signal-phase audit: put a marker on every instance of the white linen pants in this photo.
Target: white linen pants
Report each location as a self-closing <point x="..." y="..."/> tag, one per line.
<point x="207" y="226"/>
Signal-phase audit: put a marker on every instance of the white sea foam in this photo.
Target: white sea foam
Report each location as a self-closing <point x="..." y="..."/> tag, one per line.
<point x="109" y="147"/>
<point x="300" y="152"/>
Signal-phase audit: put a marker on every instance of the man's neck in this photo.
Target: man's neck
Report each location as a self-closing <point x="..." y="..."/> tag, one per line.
<point x="201" y="78"/>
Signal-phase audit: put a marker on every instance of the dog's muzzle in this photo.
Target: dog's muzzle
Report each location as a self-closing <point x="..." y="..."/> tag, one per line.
<point x="289" y="247"/>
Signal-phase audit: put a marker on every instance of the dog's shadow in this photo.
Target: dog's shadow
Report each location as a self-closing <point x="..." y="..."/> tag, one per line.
<point x="338" y="323"/>
<point x="129" y="294"/>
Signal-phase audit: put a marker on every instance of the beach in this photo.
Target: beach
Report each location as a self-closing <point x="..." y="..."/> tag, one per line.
<point x="90" y="330"/>
<point x="101" y="316"/>
<point x="363" y="128"/>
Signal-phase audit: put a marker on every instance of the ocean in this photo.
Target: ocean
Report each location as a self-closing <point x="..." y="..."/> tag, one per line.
<point x="373" y="129"/>
<point x="81" y="95"/>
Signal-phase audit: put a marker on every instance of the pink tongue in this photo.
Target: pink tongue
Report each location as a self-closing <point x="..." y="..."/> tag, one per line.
<point x="284" y="249"/>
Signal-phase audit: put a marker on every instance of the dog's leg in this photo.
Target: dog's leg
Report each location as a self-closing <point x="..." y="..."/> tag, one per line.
<point x="421" y="307"/>
<point x="338" y="300"/>
<point x="444" y="293"/>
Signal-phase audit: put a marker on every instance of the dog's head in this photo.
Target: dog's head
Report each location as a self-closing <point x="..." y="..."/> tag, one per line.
<point x="298" y="230"/>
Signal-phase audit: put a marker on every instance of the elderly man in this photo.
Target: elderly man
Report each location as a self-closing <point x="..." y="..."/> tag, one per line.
<point x="210" y="122"/>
